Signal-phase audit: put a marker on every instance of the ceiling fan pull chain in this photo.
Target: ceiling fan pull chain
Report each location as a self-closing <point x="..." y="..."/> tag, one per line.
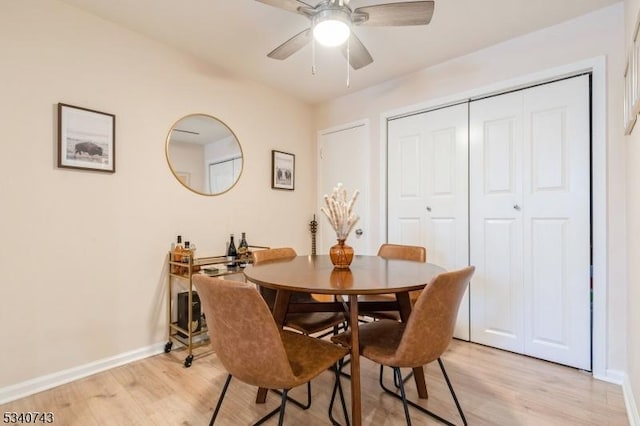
<point x="348" y="62"/>
<point x="313" y="56"/>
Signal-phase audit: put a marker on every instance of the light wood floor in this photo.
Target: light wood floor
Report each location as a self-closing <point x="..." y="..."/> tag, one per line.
<point x="493" y="386"/>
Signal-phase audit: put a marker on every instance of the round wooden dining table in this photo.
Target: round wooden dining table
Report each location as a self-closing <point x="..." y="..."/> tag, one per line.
<point x="367" y="275"/>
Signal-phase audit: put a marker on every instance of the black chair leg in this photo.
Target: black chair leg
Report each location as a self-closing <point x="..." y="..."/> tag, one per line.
<point x="222" y="394"/>
<point x="397" y="374"/>
<point x="279" y="410"/>
<point x="284" y="394"/>
<point x="418" y="407"/>
<point x="404" y="380"/>
<point x="305" y="406"/>
<point x="337" y="387"/>
<point x="283" y="405"/>
<point x="453" y="394"/>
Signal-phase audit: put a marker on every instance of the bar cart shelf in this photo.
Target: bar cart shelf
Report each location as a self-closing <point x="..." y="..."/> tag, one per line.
<point x="181" y="277"/>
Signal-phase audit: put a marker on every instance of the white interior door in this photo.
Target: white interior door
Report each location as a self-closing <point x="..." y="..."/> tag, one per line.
<point x="343" y="156"/>
<point x="495" y="165"/>
<point x="530" y="221"/>
<point x="428" y="189"/>
<point x="557" y="222"/>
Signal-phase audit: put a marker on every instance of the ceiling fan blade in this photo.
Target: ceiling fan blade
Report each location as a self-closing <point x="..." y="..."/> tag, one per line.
<point x="290" y="5"/>
<point x="358" y="56"/>
<point x="292" y="45"/>
<point x="397" y="14"/>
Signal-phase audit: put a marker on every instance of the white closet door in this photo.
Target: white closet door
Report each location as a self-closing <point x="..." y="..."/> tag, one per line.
<point x="530" y="221"/>
<point x="557" y="226"/>
<point x="427" y="189"/>
<point x="496" y="235"/>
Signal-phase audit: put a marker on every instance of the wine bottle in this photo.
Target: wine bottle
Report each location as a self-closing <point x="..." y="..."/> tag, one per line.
<point x="177" y="255"/>
<point x="232" y="253"/>
<point x="243" y="250"/>
<point x="187" y="256"/>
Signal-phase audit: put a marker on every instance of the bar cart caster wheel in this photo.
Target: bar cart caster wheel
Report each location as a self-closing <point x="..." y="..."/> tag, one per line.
<point x="167" y="347"/>
<point x="188" y="360"/>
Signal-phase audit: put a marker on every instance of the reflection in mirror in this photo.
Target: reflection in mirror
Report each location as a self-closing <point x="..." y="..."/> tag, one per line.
<point x="204" y="154"/>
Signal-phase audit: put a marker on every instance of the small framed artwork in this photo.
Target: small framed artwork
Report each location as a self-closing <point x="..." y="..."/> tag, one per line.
<point x="635" y="57"/>
<point x="86" y="139"/>
<point x="630" y="93"/>
<point x="283" y="170"/>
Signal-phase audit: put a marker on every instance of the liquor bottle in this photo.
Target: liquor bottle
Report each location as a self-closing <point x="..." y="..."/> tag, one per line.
<point x="177" y="255"/>
<point x="187" y="256"/>
<point x="243" y="250"/>
<point x="194" y="267"/>
<point x="232" y="253"/>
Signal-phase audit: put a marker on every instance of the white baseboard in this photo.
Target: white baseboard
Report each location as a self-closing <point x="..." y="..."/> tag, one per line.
<point x="39" y="384"/>
<point x="621" y="378"/>
<point x="611" y="376"/>
<point x="630" y="402"/>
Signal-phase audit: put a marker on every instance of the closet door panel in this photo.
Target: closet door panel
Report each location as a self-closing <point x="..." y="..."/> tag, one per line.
<point x="405" y="186"/>
<point x="496" y="236"/>
<point x="557" y="222"/>
<point x="438" y="176"/>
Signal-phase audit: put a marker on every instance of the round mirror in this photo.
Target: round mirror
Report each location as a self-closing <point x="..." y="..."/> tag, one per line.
<point x="204" y="154"/>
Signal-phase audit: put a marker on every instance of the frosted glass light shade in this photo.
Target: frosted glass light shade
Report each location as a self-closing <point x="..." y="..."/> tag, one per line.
<point x="331" y="32"/>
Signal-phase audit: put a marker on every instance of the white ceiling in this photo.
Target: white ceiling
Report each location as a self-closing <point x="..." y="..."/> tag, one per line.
<point x="234" y="36"/>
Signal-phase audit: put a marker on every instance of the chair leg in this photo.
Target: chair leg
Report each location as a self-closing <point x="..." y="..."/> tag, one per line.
<point x="404" y="380"/>
<point x="338" y="387"/>
<point x="305" y="406"/>
<point x="453" y="394"/>
<point x="420" y="408"/>
<point x="283" y="405"/>
<point x="222" y="394"/>
<point x="398" y="378"/>
<point x="279" y="410"/>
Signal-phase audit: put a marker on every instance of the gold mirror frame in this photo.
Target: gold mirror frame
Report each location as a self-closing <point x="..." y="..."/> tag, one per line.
<point x="195" y="135"/>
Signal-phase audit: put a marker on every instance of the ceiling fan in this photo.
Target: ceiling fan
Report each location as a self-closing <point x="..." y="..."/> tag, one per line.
<point x="332" y="22"/>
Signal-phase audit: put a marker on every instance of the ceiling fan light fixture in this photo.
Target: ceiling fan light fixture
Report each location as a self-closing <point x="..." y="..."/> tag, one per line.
<point x="331" y="27"/>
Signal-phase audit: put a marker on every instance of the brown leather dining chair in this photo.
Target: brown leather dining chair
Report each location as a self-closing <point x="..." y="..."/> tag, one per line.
<point x="398" y="252"/>
<point x="254" y="350"/>
<point x="421" y="340"/>
<point x="306" y="323"/>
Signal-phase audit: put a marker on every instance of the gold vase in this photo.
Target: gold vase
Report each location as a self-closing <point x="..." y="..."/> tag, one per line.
<point x="341" y="255"/>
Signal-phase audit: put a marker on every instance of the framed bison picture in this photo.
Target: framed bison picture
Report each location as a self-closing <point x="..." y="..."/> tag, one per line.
<point x="86" y="139"/>
<point x="283" y="167"/>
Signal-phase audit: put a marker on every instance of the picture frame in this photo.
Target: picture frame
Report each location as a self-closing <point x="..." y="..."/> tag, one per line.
<point x="86" y="139"/>
<point x="630" y="98"/>
<point x="283" y="170"/>
<point x="635" y="57"/>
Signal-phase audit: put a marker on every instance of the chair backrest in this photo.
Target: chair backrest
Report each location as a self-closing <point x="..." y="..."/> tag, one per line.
<point x="243" y="333"/>
<point x="268" y="294"/>
<point x="274" y="253"/>
<point x="403" y="252"/>
<point x="429" y="330"/>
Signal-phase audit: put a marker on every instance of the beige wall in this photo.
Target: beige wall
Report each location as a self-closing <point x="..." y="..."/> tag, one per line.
<point x="597" y="34"/>
<point x="632" y="146"/>
<point x="83" y="252"/>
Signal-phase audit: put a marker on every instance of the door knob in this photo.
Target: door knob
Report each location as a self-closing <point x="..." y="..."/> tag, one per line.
<point x="359" y="232"/>
<point x="428" y="208"/>
<point x="516" y="207"/>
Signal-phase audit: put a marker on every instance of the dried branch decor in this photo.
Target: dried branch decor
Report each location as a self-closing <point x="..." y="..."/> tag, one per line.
<point x="339" y="211"/>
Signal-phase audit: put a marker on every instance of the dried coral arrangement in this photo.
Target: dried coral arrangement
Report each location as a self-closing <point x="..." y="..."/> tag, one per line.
<point x="339" y="210"/>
